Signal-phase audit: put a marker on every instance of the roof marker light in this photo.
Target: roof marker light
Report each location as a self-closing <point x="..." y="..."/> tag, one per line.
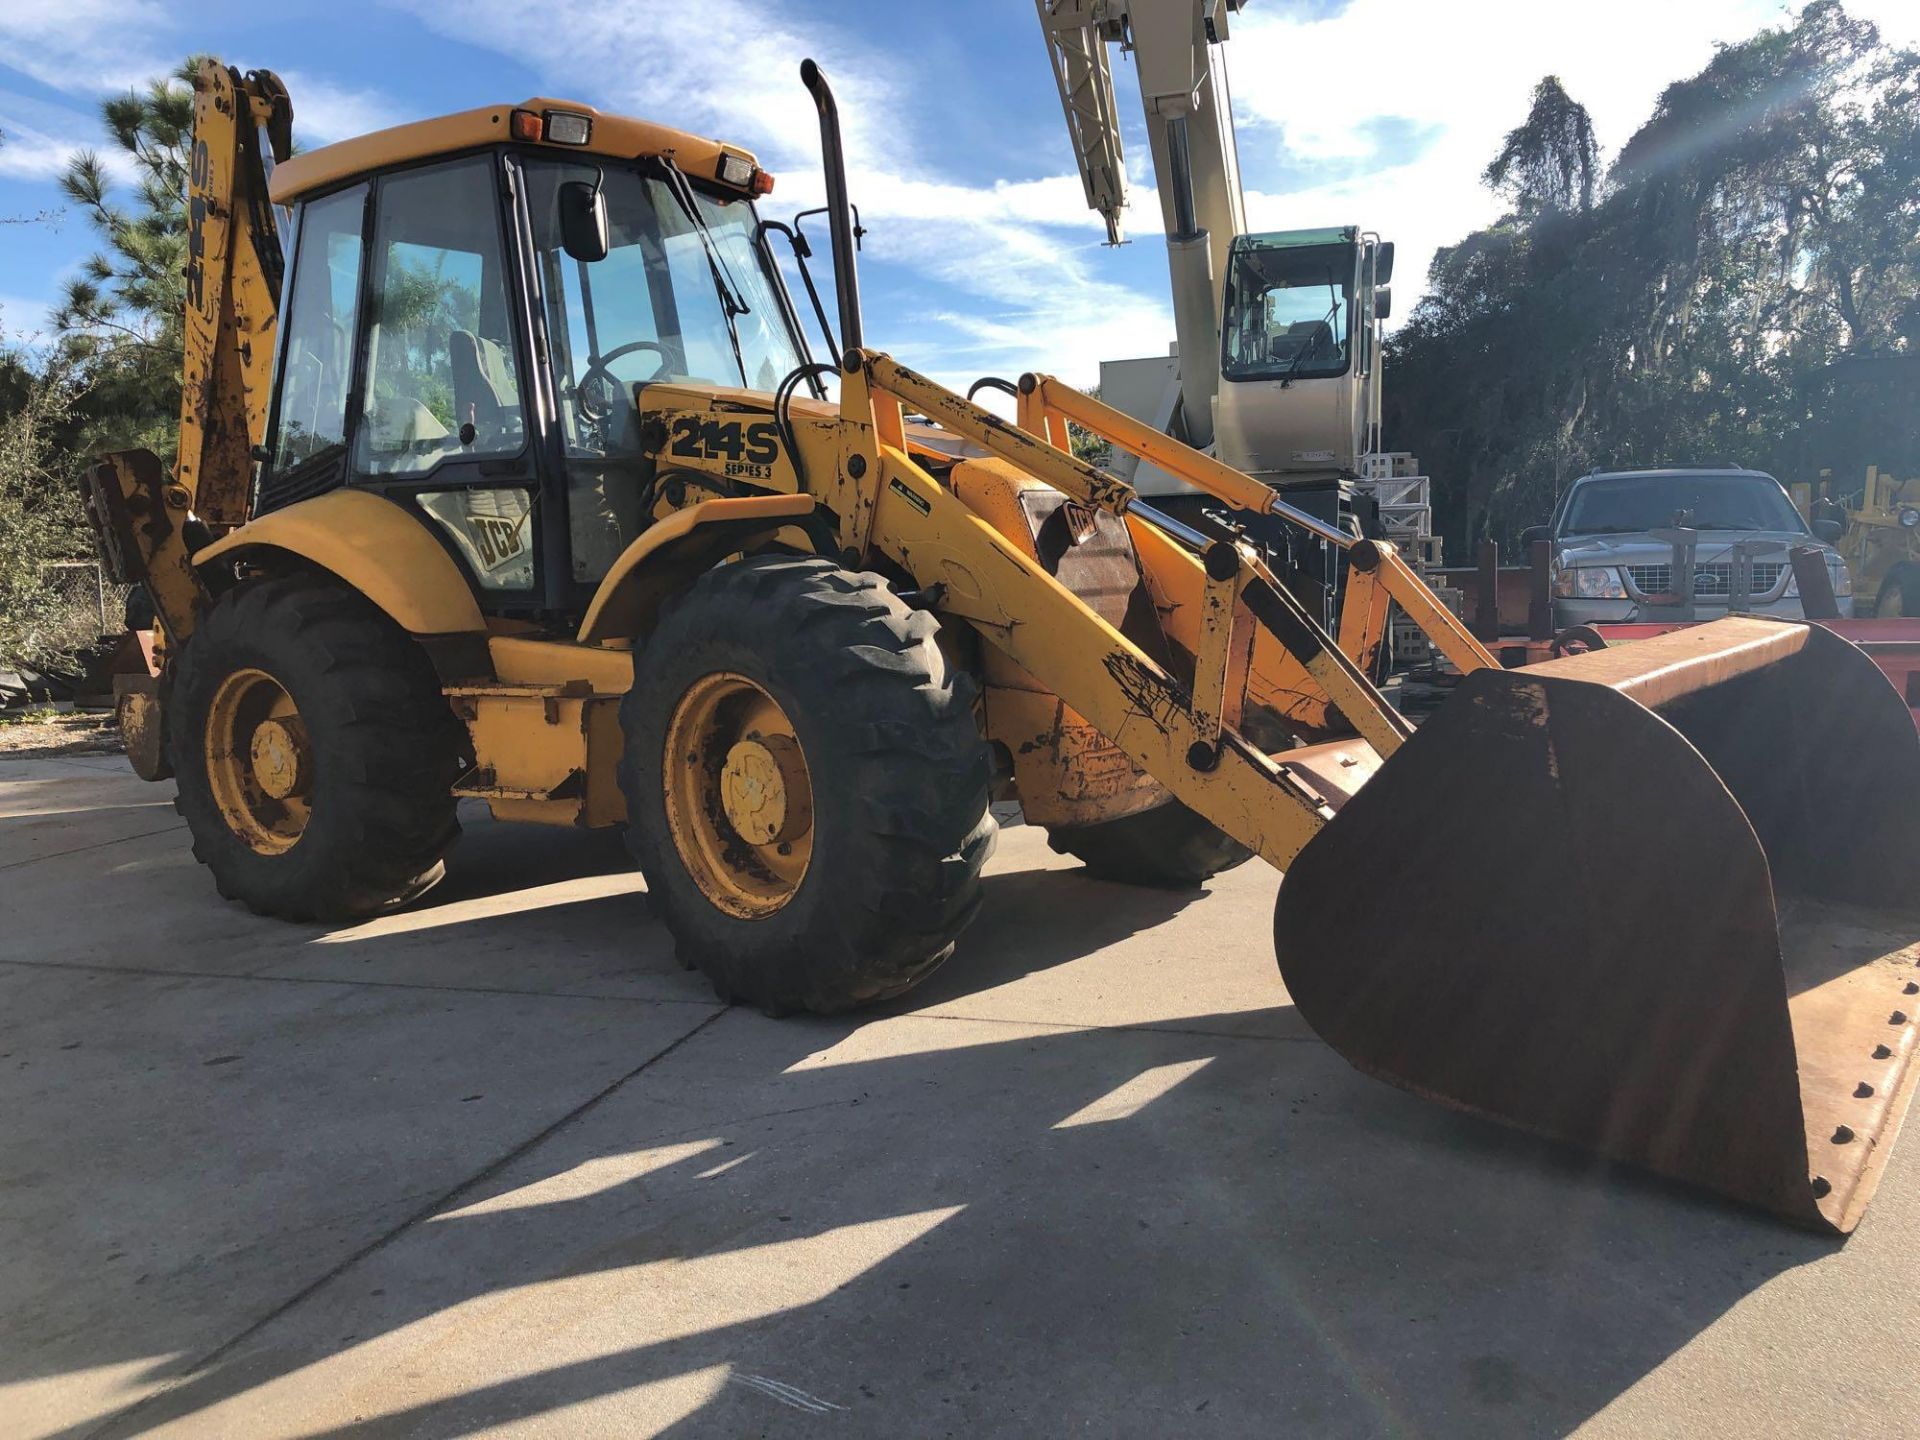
<point x="524" y="125"/>
<point x="566" y="127"/>
<point x="762" y="183"/>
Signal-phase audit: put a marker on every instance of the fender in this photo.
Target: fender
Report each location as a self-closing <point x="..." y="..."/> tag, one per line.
<point x="672" y="551"/>
<point x="376" y="547"/>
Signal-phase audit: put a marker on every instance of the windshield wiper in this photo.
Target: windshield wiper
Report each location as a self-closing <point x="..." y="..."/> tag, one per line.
<point x="722" y="272"/>
<point x="732" y="303"/>
<point x="1300" y="355"/>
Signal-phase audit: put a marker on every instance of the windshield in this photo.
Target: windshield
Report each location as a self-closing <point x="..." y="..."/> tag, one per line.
<point x="1287" y="310"/>
<point x="656" y="308"/>
<point x="1634" y="503"/>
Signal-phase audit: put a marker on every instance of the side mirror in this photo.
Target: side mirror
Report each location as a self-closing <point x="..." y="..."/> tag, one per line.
<point x="583" y="220"/>
<point x="1383" y="263"/>
<point x="1382" y="303"/>
<point x="1534" y="534"/>
<point x="1828" y="530"/>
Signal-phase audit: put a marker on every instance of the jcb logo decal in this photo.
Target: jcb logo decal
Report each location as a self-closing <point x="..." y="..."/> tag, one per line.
<point x="747" y="450"/>
<point x="497" y="539"/>
<point x="200" y="168"/>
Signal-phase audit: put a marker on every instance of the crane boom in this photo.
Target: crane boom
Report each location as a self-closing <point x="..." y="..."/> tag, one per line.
<point x="1176" y="46"/>
<point x="1078" y="53"/>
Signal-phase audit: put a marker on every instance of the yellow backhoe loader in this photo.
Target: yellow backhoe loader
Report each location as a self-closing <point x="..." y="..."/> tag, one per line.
<point x="521" y="485"/>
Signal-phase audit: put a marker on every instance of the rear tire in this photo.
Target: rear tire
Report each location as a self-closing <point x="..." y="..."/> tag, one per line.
<point x="851" y="884"/>
<point x="366" y="751"/>
<point x="1899" y="596"/>
<point x="1168" y="846"/>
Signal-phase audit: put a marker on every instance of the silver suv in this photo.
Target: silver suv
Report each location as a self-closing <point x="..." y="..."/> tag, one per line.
<point x="1613" y="538"/>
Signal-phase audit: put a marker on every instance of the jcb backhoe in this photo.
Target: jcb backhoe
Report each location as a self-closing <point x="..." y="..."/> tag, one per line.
<point x="523" y="487"/>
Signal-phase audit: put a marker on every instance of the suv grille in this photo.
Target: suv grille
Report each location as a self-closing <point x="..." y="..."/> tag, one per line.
<point x="1709" y="580"/>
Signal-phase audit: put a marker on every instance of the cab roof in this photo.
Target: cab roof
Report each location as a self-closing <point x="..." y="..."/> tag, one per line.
<point x="617" y="137"/>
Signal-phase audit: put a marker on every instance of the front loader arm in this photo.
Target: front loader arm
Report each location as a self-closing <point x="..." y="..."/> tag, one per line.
<point x="1175" y="731"/>
<point x="980" y="576"/>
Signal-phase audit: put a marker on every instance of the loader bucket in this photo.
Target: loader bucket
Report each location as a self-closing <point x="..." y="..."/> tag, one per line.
<point x="1653" y="900"/>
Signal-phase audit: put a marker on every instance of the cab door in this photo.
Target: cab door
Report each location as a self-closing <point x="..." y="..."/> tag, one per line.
<point x="403" y="368"/>
<point x="441" y="418"/>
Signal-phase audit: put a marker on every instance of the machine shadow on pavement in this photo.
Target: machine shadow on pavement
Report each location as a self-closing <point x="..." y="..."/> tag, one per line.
<point x="939" y="1225"/>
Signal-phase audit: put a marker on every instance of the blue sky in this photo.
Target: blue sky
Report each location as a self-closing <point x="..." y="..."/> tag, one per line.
<point x="982" y="256"/>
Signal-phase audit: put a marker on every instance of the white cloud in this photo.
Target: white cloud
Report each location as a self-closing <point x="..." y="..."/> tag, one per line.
<point x="324" y="112"/>
<point x="1462" y="73"/>
<point x="84" y="45"/>
<point x="1020" y="277"/>
<point x="731" y="69"/>
<point x="90" y="48"/>
<point x="29" y="154"/>
<point x="40" y="138"/>
<point x="23" y="319"/>
<point x="724" y="67"/>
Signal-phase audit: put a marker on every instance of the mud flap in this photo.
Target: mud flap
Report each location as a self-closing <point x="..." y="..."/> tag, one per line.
<point x="1652" y="901"/>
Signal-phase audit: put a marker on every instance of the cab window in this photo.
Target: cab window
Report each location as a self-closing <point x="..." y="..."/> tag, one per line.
<point x="311" y="423"/>
<point x="1287" y="310"/>
<point x="677" y="298"/>
<point x="440" y="372"/>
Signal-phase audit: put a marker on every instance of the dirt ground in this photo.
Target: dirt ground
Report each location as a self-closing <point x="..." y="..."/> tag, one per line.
<point x="53" y="735"/>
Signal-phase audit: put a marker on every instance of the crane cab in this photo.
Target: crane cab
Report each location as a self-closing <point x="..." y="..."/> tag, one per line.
<point x="1299" y="352"/>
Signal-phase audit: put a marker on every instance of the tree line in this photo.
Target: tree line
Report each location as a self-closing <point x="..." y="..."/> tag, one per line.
<point x="106" y="376"/>
<point x="1740" y="284"/>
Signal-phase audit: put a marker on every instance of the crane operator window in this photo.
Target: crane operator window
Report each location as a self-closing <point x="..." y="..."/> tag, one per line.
<point x="681" y="297"/>
<point x="1288" y="310"/>
<point x="441" y="377"/>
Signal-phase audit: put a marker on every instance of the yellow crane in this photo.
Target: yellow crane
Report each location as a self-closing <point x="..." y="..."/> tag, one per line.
<point x="523" y="486"/>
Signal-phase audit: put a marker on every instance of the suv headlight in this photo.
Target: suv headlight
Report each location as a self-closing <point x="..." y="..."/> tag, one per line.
<point x="1589" y="582"/>
<point x="1838" y="576"/>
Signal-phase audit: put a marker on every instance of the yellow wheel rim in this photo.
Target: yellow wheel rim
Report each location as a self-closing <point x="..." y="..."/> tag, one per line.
<point x="259" y="763"/>
<point x="739" y="798"/>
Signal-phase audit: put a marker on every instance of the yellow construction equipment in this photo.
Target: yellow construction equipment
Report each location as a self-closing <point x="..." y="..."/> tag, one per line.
<point x="1878" y="531"/>
<point x="545" y="505"/>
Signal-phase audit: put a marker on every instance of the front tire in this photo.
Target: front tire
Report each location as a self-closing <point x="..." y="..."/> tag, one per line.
<point x="806" y="787"/>
<point x="314" y="752"/>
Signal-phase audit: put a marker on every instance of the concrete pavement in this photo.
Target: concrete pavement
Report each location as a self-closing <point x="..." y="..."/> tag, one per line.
<point x="497" y="1164"/>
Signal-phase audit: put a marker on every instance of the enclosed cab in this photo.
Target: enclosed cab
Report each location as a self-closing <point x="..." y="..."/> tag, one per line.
<point x="442" y="349"/>
<point x="1300" y="354"/>
<point x="1298" y="400"/>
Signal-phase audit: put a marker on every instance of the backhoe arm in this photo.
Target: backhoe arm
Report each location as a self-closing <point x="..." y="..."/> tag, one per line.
<point x="241" y="124"/>
<point x="150" y="523"/>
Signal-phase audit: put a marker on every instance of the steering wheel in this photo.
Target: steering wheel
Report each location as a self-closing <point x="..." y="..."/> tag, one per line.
<point x="599" y="380"/>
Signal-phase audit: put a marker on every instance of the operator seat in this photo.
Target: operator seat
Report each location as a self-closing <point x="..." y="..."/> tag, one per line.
<point x="484" y="390"/>
<point x="1312" y="338"/>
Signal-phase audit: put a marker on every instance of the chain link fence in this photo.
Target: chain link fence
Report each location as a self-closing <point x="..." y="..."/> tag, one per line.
<point x="84" y="604"/>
